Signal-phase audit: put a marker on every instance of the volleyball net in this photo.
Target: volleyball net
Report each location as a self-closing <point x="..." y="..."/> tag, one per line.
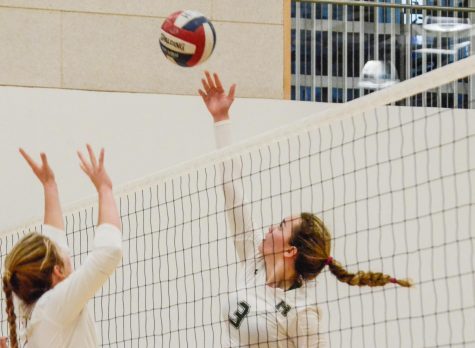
<point x="394" y="184"/>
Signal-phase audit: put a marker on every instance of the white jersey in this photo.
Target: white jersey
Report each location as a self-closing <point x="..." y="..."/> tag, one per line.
<point x="60" y="318"/>
<point x="257" y="315"/>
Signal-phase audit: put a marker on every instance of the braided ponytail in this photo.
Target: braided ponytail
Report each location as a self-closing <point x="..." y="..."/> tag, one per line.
<point x="10" y="312"/>
<point x="361" y="278"/>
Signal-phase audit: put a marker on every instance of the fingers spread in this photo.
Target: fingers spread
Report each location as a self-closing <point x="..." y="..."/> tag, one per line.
<point x="202" y="94"/>
<point x="101" y="158"/>
<point x="44" y="159"/>
<point x="28" y="159"/>
<point x="84" y="165"/>
<point x="209" y="80"/>
<point x="205" y="85"/>
<point x="84" y="169"/>
<point x="92" y="156"/>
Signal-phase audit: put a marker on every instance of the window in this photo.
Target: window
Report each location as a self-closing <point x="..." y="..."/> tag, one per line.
<point x="292" y="51"/>
<point x="353" y="54"/>
<point x="321" y="94"/>
<point x="321" y="53"/>
<point x="337" y="95"/>
<point x="321" y="11"/>
<point x="337" y="51"/>
<point x="305" y="52"/>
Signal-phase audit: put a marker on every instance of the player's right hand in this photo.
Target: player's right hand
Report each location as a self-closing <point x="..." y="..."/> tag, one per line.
<point x="215" y="98"/>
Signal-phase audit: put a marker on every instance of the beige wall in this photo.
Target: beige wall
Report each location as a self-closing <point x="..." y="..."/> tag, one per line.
<point x="113" y="45"/>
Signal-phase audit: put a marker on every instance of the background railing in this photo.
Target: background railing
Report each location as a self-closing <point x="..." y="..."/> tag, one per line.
<point x="342" y="50"/>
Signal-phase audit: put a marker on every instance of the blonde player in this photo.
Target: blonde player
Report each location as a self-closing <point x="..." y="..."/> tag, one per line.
<point x="275" y="304"/>
<point x="52" y="297"/>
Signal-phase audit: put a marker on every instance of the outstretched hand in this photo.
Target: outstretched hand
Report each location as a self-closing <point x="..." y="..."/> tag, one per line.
<point x="215" y="98"/>
<point x="95" y="169"/>
<point x="43" y="172"/>
<point x="3" y="342"/>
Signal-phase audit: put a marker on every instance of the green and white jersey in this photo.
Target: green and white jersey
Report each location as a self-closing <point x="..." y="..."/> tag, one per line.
<point x="256" y="315"/>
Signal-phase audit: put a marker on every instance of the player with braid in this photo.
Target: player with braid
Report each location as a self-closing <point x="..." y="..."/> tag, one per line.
<point x="52" y="298"/>
<point x="275" y="303"/>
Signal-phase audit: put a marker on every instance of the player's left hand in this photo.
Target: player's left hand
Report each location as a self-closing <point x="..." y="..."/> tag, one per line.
<point x="95" y="169"/>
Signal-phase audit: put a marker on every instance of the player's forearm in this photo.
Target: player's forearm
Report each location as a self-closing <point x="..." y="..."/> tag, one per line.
<point x="108" y="212"/>
<point x="238" y="211"/>
<point x="223" y="133"/>
<point x="238" y="214"/>
<point x="53" y="214"/>
<point x="231" y="175"/>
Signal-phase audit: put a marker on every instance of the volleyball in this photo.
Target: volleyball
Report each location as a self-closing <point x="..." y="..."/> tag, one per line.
<point x="187" y="38"/>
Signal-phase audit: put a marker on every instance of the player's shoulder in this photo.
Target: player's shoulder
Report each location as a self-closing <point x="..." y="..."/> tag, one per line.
<point x="308" y="320"/>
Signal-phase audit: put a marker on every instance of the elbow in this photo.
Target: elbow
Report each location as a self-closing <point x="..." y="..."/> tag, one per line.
<point x="111" y="257"/>
<point x="110" y="261"/>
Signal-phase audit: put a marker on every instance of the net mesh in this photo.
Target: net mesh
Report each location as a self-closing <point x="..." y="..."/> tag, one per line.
<point x="395" y="185"/>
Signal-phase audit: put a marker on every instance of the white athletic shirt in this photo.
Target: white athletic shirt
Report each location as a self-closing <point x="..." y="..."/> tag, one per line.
<point x="60" y="318"/>
<point x="257" y="315"/>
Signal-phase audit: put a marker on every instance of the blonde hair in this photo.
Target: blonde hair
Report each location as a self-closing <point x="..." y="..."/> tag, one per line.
<point x="28" y="273"/>
<point x="313" y="242"/>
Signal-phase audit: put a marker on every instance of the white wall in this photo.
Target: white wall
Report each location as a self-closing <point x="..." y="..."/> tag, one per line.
<point x="143" y="134"/>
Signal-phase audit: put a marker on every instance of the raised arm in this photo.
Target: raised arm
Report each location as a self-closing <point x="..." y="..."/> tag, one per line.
<point x="53" y="214"/>
<point x="69" y="297"/>
<point x="238" y="213"/>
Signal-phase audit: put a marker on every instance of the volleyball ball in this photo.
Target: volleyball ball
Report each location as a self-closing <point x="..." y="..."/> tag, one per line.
<point x="187" y="38"/>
